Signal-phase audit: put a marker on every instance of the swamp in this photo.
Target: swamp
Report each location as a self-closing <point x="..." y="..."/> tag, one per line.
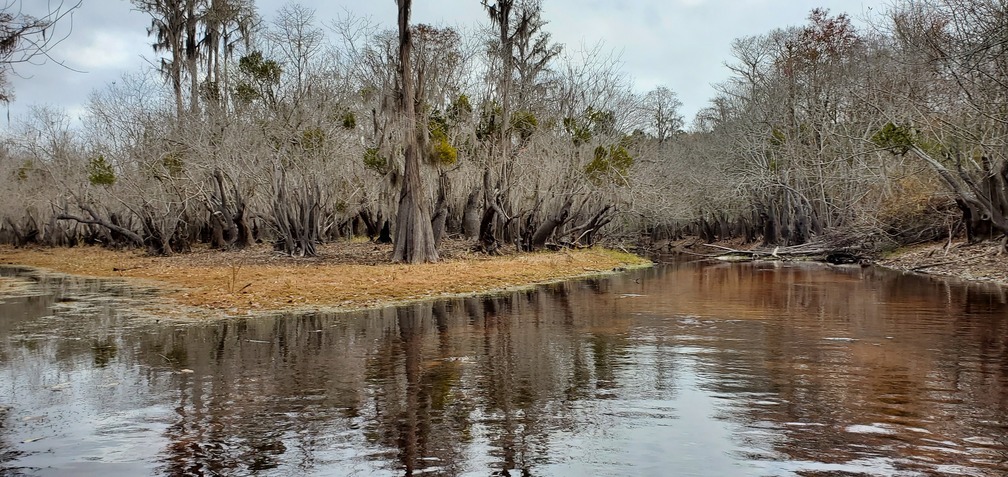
<point x="295" y="244"/>
<point x="703" y="367"/>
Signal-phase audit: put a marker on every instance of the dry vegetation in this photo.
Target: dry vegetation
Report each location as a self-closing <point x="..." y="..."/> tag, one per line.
<point x="980" y="262"/>
<point x="825" y="135"/>
<point x="345" y="275"/>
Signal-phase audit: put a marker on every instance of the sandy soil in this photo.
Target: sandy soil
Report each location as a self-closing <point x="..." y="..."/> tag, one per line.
<point x="345" y="275"/>
<point x="979" y="262"/>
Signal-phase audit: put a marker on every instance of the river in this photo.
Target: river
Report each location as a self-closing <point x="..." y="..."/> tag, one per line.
<point x="755" y="369"/>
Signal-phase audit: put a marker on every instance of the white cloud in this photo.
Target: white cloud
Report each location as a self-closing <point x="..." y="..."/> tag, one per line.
<point x="681" y="44"/>
<point x="105" y="49"/>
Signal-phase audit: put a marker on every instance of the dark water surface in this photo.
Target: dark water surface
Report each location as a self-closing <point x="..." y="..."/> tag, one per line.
<point x="687" y="369"/>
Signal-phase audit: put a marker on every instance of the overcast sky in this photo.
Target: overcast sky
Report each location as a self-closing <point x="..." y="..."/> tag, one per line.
<point x="682" y="44"/>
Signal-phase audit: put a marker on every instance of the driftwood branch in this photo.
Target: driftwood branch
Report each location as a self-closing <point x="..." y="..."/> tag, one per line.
<point x="820" y="251"/>
<point x="932" y="265"/>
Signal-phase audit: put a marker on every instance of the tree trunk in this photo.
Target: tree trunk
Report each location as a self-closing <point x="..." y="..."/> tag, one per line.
<point x="192" y="56"/>
<point x="584" y="234"/>
<point x="228" y="226"/>
<point x="414" y="236"/>
<point x="245" y="236"/>
<point x="966" y="190"/>
<point x="487" y="239"/>
<point x="217" y="231"/>
<point x="471" y="214"/>
<point x="385" y="234"/>
<point x="439" y="220"/>
<point x="492" y="216"/>
<point x="545" y="231"/>
<point x="296" y="217"/>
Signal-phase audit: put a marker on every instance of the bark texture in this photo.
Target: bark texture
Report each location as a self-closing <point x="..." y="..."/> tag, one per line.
<point x="414" y="236"/>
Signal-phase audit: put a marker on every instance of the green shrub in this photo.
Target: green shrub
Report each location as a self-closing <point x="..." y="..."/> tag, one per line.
<point x="374" y="160"/>
<point x="349" y="120"/>
<point x="895" y="139"/>
<point x="525" y="123"/>
<point x="443" y="152"/>
<point x="312" y="139"/>
<point x="24" y="170"/>
<point x="612" y="159"/>
<point x="100" y="172"/>
<point x="173" y="164"/>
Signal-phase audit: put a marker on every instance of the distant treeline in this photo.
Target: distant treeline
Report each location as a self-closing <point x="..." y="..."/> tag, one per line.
<point x="291" y="132"/>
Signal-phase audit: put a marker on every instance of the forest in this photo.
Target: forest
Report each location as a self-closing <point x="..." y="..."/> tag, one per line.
<point x="302" y="130"/>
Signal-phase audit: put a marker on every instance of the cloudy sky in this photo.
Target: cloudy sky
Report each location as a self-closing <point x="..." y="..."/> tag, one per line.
<point x="682" y="44"/>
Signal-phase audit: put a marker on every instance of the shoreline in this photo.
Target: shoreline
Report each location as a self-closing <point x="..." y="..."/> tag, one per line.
<point x="353" y="276"/>
<point x="978" y="263"/>
<point x="346" y="276"/>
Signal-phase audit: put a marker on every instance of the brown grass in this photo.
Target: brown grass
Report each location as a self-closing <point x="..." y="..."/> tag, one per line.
<point x="346" y="275"/>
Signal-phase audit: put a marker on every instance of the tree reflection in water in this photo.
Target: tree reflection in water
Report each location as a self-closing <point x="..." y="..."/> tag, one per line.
<point x="424" y="385"/>
<point x="754" y="369"/>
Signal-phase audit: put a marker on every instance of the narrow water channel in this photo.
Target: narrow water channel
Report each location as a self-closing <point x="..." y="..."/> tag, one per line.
<point x="686" y="369"/>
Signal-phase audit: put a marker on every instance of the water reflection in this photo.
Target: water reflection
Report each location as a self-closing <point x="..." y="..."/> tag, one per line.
<point x="750" y="369"/>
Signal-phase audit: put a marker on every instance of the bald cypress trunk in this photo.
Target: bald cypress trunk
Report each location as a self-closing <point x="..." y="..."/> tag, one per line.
<point x="414" y="236"/>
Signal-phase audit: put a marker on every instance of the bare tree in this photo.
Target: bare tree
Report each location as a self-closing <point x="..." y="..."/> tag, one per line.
<point x="519" y="61"/>
<point x="661" y="105"/>
<point x="961" y="129"/>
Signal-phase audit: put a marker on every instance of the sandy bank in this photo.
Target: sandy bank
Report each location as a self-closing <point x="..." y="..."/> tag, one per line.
<point x="346" y="275"/>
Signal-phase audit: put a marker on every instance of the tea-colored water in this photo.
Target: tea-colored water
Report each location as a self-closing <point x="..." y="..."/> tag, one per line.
<point x="687" y="369"/>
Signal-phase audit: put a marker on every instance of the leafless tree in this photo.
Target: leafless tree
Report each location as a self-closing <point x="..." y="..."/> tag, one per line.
<point x="961" y="130"/>
<point x="661" y="105"/>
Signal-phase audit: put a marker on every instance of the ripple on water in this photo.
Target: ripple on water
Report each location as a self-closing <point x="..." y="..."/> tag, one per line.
<point x="880" y="429"/>
<point x="708" y="371"/>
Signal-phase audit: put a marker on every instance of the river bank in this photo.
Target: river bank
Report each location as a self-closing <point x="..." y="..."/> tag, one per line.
<point x="356" y="275"/>
<point x="974" y="262"/>
<point x="979" y="262"/>
<point x="344" y="276"/>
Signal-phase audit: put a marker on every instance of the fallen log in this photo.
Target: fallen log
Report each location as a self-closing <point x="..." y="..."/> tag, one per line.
<point x="815" y="252"/>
